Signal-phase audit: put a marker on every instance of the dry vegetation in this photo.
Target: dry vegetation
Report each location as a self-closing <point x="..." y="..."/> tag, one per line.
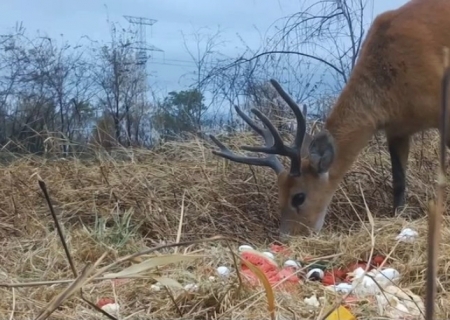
<point x="133" y="201"/>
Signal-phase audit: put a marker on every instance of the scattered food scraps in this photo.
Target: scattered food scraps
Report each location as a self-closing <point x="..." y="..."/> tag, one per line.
<point x="352" y="280"/>
<point x="270" y="268"/>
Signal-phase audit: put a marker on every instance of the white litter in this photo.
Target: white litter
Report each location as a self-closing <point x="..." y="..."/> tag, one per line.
<point x="373" y="281"/>
<point x="223" y="271"/>
<point x="191" y="287"/>
<point x="245" y="247"/>
<point x="396" y="303"/>
<point x="386" y="277"/>
<point x="312" y="301"/>
<point x="292" y="263"/>
<point x="111" y="307"/>
<point x="407" y="235"/>
<point x="269" y="254"/>
<point x="341" y="287"/>
<point x="155" y="288"/>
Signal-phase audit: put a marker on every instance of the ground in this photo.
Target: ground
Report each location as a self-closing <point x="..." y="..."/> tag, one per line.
<point x="130" y="201"/>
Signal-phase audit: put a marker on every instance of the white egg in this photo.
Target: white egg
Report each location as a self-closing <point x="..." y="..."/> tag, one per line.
<point x="341" y="287"/>
<point x="223" y="271"/>
<point x="212" y="278"/>
<point x="292" y="263"/>
<point x="191" y="287"/>
<point x="269" y="254"/>
<point x="407" y="235"/>
<point x="155" y="288"/>
<point x="315" y="272"/>
<point x="111" y="307"/>
<point x="312" y="301"/>
<point x="245" y="247"/>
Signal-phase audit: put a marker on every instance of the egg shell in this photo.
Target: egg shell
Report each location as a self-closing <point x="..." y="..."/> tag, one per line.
<point x="269" y="254"/>
<point x="111" y="307"/>
<point x="315" y="274"/>
<point x="155" y="288"/>
<point x="292" y="263"/>
<point x="223" y="271"/>
<point x="191" y="287"/>
<point x="245" y="247"/>
<point x="343" y="287"/>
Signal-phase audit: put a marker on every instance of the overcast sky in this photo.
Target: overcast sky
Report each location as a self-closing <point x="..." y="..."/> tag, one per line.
<point x="75" y="18"/>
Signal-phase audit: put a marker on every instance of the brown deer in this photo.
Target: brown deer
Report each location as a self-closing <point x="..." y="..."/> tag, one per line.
<point x="395" y="86"/>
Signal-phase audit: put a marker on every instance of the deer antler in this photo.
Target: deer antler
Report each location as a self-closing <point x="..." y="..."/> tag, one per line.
<point x="292" y="152"/>
<point x="269" y="161"/>
<point x="274" y="144"/>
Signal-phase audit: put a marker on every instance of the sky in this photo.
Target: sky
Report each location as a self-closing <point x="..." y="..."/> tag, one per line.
<point x="245" y="19"/>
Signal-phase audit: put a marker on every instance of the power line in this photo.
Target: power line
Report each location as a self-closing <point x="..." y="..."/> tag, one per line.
<point x="142" y="48"/>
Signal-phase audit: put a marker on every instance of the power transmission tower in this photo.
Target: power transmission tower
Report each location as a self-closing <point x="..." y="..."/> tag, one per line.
<point x="142" y="48"/>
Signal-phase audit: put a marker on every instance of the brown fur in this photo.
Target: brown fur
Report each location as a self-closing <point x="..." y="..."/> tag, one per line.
<point x="395" y="87"/>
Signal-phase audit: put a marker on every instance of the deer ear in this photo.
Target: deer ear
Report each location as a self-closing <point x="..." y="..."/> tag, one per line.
<point x="322" y="151"/>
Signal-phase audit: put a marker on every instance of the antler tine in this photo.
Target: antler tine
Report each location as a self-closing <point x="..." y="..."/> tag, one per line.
<point x="277" y="146"/>
<point x="301" y="127"/>
<point x="301" y="122"/>
<point x="269" y="161"/>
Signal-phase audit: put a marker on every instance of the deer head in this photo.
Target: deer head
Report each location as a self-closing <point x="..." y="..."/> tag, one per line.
<point x="304" y="191"/>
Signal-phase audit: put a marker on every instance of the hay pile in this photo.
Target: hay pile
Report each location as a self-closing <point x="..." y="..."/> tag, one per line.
<point x="124" y="206"/>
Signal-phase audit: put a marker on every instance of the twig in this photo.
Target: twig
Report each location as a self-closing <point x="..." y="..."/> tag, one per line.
<point x="11" y="317"/>
<point x="43" y="187"/>
<point x="77" y="284"/>
<point x="180" y="225"/>
<point x="174" y="302"/>
<point x="436" y="209"/>
<point x="58" y="226"/>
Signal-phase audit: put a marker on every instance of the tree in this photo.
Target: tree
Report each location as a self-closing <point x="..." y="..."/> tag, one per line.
<point x="315" y="46"/>
<point x="118" y="78"/>
<point x="180" y="112"/>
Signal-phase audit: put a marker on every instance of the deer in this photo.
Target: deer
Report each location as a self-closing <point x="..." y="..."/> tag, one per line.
<point x="394" y="87"/>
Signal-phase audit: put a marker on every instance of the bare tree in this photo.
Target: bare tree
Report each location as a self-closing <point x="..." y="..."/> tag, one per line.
<point x="329" y="32"/>
<point x="317" y="45"/>
<point x="118" y="79"/>
<point x="204" y="51"/>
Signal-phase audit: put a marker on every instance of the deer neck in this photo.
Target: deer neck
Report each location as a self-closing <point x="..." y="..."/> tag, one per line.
<point x="352" y="125"/>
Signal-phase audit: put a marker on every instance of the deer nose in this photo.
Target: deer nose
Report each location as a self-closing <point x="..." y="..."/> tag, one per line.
<point x="284" y="232"/>
<point x="284" y="237"/>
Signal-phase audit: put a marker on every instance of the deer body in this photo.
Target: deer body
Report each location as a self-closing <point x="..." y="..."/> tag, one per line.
<point x="395" y="86"/>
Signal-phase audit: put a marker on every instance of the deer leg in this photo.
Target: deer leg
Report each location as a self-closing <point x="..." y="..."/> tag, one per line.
<point x="399" y="151"/>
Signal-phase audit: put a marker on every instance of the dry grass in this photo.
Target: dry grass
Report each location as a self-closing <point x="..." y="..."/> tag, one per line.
<point x="119" y="207"/>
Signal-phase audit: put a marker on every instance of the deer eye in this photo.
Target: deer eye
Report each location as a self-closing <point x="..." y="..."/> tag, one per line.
<point x="298" y="199"/>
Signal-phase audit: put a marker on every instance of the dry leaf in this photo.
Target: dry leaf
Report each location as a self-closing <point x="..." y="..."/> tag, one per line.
<point x="151" y="263"/>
